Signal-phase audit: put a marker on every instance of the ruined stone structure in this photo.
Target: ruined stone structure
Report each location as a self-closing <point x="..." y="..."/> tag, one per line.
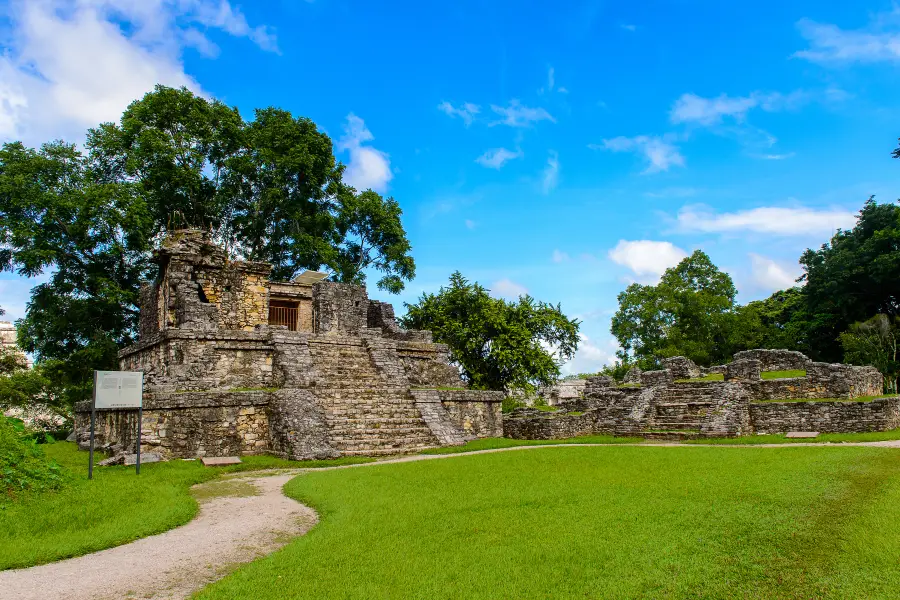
<point x="8" y="342"/>
<point x="664" y="405"/>
<point x="236" y="364"/>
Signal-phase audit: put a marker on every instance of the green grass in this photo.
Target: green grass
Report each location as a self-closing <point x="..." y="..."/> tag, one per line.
<point x="779" y="438"/>
<point x="492" y="443"/>
<point x="611" y="522"/>
<point x="782" y="374"/>
<point x="764" y="375"/>
<point x="860" y="399"/>
<point x="115" y="508"/>
<point x="628" y="385"/>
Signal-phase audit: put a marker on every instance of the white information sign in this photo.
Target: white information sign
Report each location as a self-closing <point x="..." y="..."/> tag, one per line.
<point x="118" y="389"/>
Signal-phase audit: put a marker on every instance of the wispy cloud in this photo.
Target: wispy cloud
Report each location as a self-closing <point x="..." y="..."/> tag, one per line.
<point x="879" y="41"/>
<point x="466" y="111"/>
<point x="497" y="157"/>
<point x="470" y="224"/>
<point x="647" y="259"/>
<point x="782" y="221"/>
<point x="368" y="167"/>
<point x="508" y="289"/>
<point x="628" y="27"/>
<point x="559" y="256"/>
<point x="659" y="152"/>
<point x="550" y="177"/>
<point x="778" y="156"/>
<point x="694" y="109"/>
<point x="519" y="115"/>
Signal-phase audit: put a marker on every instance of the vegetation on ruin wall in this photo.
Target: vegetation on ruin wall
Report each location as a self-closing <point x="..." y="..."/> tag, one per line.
<point x="493" y="443"/>
<point x="499" y="344"/>
<point x="89" y="217"/>
<point x="763" y="375"/>
<point x="610" y="522"/>
<point x="117" y="507"/>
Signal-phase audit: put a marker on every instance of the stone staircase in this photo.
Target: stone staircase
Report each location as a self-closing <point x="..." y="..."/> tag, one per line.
<point x="680" y="416"/>
<point x="366" y="413"/>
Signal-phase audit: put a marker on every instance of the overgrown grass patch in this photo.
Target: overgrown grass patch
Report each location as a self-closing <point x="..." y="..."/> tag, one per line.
<point x="782" y="374"/>
<point x="115" y="508"/>
<point x="611" y="522"/>
<point x="705" y="378"/>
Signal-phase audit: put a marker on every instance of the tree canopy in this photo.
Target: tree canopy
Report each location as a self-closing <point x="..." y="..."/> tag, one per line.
<point x="498" y="344"/>
<point x="269" y="189"/>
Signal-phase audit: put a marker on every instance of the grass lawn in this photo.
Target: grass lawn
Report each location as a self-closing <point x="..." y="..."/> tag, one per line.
<point x="763" y="375"/>
<point x="611" y="522"/>
<point x="491" y="443"/>
<point x="115" y="508"/>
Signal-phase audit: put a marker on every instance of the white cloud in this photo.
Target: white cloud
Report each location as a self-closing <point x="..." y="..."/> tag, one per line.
<point x="771" y="276"/>
<point x="497" y="157"/>
<point x="829" y="44"/>
<point x="694" y="109"/>
<point x="368" y="167"/>
<point x="779" y="156"/>
<point x="508" y="289"/>
<point x="550" y="177"/>
<point x="560" y="256"/>
<point x="767" y="219"/>
<point x="658" y="151"/>
<point x="627" y="27"/>
<point x="590" y="357"/>
<point x="550" y="79"/>
<point x="466" y="111"/>
<point x="470" y="224"/>
<point x="519" y="115"/>
<point x="69" y="66"/>
<point x="647" y="259"/>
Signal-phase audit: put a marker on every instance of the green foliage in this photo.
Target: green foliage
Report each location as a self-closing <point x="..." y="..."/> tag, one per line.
<point x="498" y="344"/>
<point x="690" y="312"/>
<point x="23" y="465"/>
<point x="269" y="189"/>
<point x="852" y="279"/>
<point x="510" y="404"/>
<point x="874" y="342"/>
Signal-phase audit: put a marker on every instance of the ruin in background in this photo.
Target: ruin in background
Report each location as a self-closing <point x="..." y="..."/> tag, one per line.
<point x="236" y="364"/>
<point x="677" y="403"/>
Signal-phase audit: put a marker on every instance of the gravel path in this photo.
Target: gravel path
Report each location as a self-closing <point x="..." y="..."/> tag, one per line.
<point x="227" y="532"/>
<point x="172" y="565"/>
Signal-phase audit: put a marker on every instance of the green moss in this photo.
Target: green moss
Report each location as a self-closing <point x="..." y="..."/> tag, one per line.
<point x="705" y="378"/>
<point x="628" y="385"/>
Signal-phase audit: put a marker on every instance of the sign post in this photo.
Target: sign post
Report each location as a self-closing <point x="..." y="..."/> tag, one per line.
<point x="117" y="389"/>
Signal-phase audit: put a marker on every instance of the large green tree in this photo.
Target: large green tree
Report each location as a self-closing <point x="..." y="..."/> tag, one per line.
<point x="853" y="278"/>
<point x="690" y="312"/>
<point x="269" y="189"/>
<point x="499" y="344"/>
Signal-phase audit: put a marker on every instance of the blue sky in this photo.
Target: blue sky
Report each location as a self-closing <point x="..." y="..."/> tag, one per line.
<point x="563" y="149"/>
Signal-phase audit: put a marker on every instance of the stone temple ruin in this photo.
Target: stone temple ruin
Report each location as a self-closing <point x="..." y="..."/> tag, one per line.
<point x="236" y="364"/>
<point x="686" y="401"/>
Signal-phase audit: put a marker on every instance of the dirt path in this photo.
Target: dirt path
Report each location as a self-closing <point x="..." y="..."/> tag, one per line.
<point x="229" y="530"/>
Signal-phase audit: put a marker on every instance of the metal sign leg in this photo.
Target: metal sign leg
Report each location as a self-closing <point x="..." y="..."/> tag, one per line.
<point x="140" y="420"/>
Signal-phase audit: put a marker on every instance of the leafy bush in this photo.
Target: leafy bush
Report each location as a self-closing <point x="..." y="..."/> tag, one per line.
<point x="23" y="466"/>
<point x="510" y="403"/>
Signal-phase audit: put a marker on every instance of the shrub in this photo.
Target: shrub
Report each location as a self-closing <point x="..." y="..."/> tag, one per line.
<point x="23" y="466"/>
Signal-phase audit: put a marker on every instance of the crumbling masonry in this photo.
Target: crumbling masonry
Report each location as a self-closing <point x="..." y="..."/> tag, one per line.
<point x="236" y="364"/>
<point x="673" y="404"/>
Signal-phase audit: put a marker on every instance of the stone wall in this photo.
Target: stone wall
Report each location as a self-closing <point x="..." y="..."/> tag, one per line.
<point x="477" y="413"/>
<point x="826" y="417"/>
<point x="533" y="424"/>
<point x="681" y="367"/>
<point x="776" y="360"/>
<point x="339" y="309"/>
<point x="207" y="360"/>
<point x="428" y="365"/>
<point x="189" y="424"/>
<point x="381" y="316"/>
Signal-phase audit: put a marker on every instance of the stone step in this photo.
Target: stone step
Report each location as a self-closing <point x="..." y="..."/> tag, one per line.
<point x="675" y="425"/>
<point x="407" y="444"/>
<point x="366" y="433"/>
<point x="389" y="451"/>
